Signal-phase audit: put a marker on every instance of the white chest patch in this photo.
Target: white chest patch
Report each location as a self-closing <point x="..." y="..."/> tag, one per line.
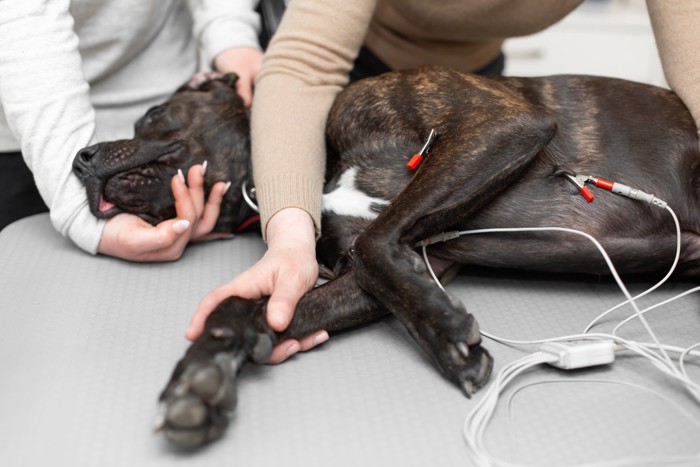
<point x="347" y="200"/>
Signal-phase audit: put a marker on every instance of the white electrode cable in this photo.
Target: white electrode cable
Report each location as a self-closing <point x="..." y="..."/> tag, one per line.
<point x="476" y="422"/>
<point x="595" y="242"/>
<point x="657" y="285"/>
<point x="662" y="361"/>
<point x="653" y="307"/>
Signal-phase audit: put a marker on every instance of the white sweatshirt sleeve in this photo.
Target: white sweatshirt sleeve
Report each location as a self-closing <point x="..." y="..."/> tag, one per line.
<point x="222" y="24"/>
<point x="45" y="98"/>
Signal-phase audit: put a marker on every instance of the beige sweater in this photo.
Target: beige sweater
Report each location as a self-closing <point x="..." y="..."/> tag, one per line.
<point x="308" y="62"/>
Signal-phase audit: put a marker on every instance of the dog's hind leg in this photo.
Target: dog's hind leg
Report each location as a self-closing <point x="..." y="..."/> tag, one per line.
<point x="201" y="394"/>
<point x="468" y="166"/>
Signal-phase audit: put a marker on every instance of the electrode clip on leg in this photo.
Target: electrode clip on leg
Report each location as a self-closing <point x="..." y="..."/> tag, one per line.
<point x="418" y="157"/>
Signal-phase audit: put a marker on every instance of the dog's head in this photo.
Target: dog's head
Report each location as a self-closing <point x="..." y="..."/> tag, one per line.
<point x="201" y="121"/>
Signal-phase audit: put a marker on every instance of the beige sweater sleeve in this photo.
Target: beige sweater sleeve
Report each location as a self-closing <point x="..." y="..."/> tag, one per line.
<point x="305" y="67"/>
<point x="676" y="25"/>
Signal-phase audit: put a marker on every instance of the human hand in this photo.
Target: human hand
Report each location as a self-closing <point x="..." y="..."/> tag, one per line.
<point x="285" y="273"/>
<point x="129" y="237"/>
<point x="245" y="62"/>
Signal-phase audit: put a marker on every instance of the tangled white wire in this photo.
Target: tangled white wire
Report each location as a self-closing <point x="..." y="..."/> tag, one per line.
<point x="477" y="421"/>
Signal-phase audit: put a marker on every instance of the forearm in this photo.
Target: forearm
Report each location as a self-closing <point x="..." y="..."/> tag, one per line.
<point x="45" y="98"/>
<point x="305" y="67"/>
<point x="289" y="167"/>
<point x="223" y="24"/>
<point x="675" y="24"/>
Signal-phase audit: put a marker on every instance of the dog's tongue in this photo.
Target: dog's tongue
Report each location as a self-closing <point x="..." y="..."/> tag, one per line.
<point x="104" y="205"/>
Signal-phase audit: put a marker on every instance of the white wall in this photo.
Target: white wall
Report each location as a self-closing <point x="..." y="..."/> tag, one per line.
<point x="602" y="37"/>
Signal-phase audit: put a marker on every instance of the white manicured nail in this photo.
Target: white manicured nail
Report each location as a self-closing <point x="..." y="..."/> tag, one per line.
<point x="181" y="175"/>
<point x="321" y="338"/>
<point x="228" y="185"/>
<point x="204" y="168"/>
<point x="181" y="225"/>
<point x="292" y="349"/>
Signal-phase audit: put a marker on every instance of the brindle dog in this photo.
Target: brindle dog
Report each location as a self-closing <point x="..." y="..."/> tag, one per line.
<point x="503" y="157"/>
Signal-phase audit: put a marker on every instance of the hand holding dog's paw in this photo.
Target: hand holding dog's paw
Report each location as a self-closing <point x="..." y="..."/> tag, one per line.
<point x="285" y="273"/>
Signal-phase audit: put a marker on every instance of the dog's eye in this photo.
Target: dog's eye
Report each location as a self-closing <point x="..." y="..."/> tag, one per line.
<point x="152" y="119"/>
<point x="153" y="113"/>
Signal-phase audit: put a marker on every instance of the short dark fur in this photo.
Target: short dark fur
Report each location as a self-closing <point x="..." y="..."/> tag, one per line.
<point x="194" y="125"/>
<point x="503" y="147"/>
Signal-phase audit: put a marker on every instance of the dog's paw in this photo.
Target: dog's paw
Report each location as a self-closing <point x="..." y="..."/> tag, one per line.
<point x="200" y="398"/>
<point x="196" y="406"/>
<point x="453" y="340"/>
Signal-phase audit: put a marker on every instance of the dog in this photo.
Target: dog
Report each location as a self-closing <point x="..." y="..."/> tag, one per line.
<point x="509" y="152"/>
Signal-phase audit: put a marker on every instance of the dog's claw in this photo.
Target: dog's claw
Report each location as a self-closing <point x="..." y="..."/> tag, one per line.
<point x="468" y="388"/>
<point x="474" y="336"/>
<point x="463" y="349"/>
<point x="159" y="422"/>
<point x="221" y="332"/>
<point x="485" y="368"/>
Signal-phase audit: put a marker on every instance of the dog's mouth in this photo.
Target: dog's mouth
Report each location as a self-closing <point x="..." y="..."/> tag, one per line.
<point x="104" y="206"/>
<point x="142" y="190"/>
<point x="100" y="206"/>
<point x="107" y="209"/>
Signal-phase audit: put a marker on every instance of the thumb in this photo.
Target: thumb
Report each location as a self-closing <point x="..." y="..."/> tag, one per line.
<point x="280" y="307"/>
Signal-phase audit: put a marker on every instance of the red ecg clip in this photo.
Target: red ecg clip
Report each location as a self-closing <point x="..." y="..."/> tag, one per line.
<point x="418" y="157"/>
<point x="580" y="183"/>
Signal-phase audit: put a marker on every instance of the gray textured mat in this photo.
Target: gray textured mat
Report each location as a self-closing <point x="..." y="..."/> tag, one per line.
<point x="87" y="343"/>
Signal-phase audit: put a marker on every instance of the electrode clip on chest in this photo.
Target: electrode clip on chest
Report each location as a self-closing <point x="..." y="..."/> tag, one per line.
<point x="617" y="188"/>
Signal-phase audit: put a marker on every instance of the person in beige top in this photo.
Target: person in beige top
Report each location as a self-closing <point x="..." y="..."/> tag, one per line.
<point x="313" y="55"/>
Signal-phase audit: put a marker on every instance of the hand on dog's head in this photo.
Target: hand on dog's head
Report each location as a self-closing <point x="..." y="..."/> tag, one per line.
<point x="204" y="120"/>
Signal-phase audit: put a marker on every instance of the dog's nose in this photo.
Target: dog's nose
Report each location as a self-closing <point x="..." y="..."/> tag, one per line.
<point x="83" y="161"/>
<point x="86" y="154"/>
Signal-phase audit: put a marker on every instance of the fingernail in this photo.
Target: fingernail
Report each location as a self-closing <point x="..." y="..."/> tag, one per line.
<point x="293" y="348"/>
<point x="181" y="225"/>
<point x="320" y="338"/>
<point x="277" y="318"/>
<point x="204" y="168"/>
<point x="181" y="175"/>
<point x="228" y="185"/>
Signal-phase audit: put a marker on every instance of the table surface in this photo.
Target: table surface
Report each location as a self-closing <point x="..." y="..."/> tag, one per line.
<point x="88" y="342"/>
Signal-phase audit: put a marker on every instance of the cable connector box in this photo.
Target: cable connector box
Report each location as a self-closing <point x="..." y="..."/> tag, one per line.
<point x="572" y="355"/>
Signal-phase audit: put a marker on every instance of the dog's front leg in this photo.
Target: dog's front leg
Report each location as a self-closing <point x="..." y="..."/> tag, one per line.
<point x="201" y="394"/>
<point x="468" y="166"/>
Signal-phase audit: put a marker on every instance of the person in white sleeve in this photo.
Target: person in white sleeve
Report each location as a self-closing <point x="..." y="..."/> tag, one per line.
<point x="75" y="72"/>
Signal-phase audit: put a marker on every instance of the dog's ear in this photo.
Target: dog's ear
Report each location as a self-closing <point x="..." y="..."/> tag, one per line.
<point x="199" y="79"/>
<point x="231" y="79"/>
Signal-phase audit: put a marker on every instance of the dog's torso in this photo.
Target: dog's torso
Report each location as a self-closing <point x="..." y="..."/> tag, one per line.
<point x="633" y="133"/>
